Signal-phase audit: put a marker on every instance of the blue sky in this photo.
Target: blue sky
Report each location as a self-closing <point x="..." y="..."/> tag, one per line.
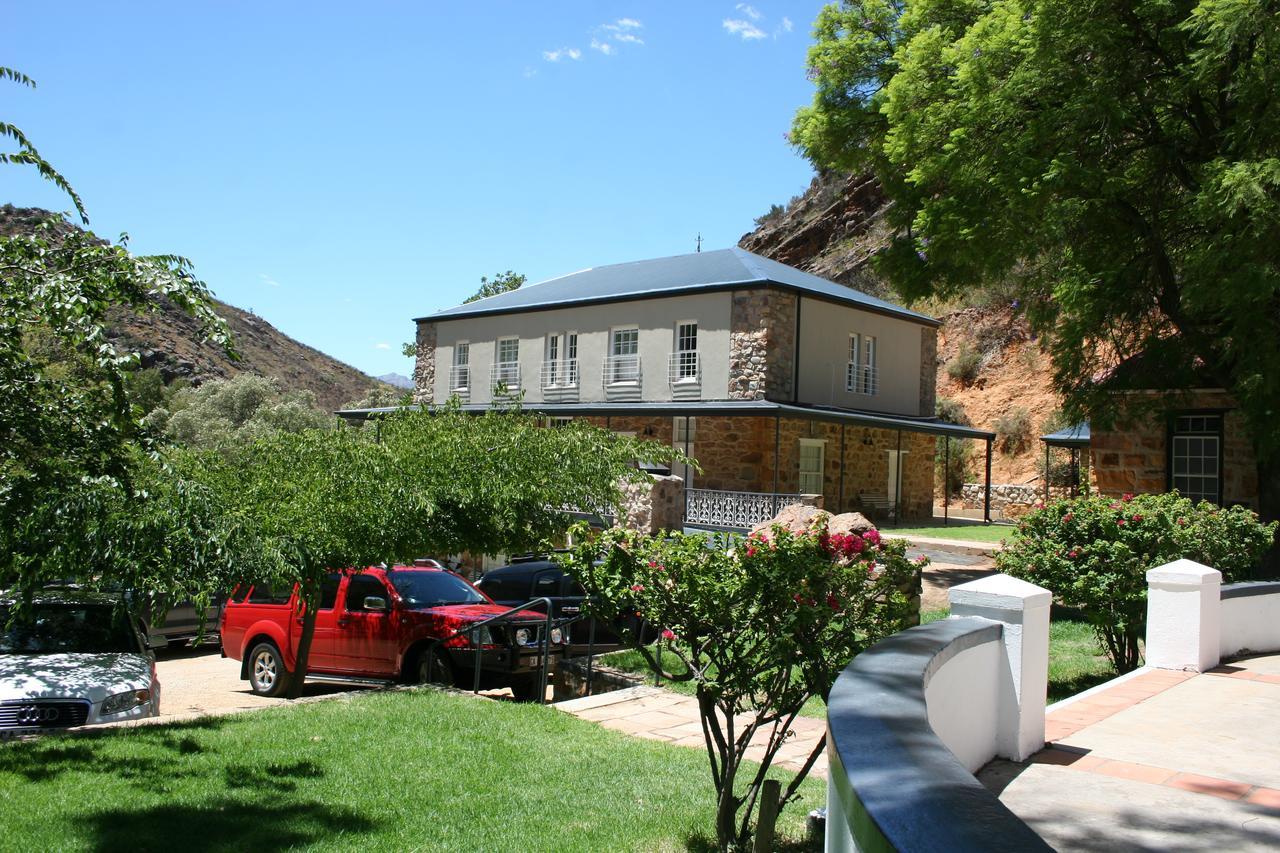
<point x="340" y="171"/>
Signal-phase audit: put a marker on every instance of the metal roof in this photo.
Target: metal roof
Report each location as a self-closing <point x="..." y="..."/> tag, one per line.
<point x="1072" y="436"/>
<point x="700" y="272"/>
<point x="720" y="408"/>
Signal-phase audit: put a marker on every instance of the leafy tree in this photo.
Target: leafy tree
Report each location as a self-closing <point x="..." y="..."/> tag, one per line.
<point x="1094" y="553"/>
<point x="1117" y="163"/>
<point x="27" y="155"/>
<point x="952" y="459"/>
<point x="227" y="415"/>
<point x="760" y="629"/>
<point x="503" y="282"/>
<point x="433" y="482"/>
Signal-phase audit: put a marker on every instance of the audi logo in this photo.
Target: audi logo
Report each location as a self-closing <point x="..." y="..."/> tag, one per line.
<point x="32" y="714"/>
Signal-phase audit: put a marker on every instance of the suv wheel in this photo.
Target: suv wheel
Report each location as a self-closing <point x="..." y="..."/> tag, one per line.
<point x="432" y="667"/>
<point x="267" y="674"/>
<point x="528" y="689"/>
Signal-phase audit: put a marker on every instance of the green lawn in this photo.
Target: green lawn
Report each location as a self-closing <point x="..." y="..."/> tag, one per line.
<point x="406" y="770"/>
<point x="971" y="532"/>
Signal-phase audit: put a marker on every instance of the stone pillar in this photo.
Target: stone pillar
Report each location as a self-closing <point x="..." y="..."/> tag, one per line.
<point x="1023" y="609"/>
<point x="1184" y="602"/>
<point x="424" y="369"/>
<point x="653" y="506"/>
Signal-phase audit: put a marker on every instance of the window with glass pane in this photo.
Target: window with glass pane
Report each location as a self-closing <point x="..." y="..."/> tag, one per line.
<point x="571" y="358"/>
<point x="868" y="365"/>
<point x="507" y="364"/>
<point x="553" y="370"/>
<point x="1195" y="448"/>
<point x="851" y="372"/>
<point x="461" y="378"/>
<point x="687" y="351"/>
<point x="811" y="459"/>
<point x="624" y="352"/>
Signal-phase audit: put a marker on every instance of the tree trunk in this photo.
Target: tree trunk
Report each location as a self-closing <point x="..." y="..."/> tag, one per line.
<point x="727" y="805"/>
<point x="1269" y="509"/>
<point x="302" y="655"/>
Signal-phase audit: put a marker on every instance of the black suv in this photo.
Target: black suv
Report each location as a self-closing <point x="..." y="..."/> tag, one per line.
<point x="527" y="578"/>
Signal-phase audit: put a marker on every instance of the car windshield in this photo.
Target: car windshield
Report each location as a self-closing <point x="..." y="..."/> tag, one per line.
<point x="431" y="589"/>
<point x="60" y="628"/>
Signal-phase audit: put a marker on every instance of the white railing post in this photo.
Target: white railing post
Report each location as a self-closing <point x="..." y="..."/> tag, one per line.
<point x="1023" y="609"/>
<point x="1184" y="603"/>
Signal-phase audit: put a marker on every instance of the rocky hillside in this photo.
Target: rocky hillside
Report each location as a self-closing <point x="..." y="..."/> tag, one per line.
<point x="834" y="229"/>
<point x="168" y="341"/>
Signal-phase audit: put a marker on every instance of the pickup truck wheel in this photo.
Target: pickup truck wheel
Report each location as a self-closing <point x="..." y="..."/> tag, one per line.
<point x="267" y="674"/>
<point x="432" y="667"/>
<point x="528" y="689"/>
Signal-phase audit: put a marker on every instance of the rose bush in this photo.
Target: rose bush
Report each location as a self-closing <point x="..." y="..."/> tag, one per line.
<point x="760" y="627"/>
<point x="1093" y="553"/>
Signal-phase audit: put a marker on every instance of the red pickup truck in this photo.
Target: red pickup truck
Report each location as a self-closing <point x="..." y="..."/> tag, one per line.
<point x="397" y="623"/>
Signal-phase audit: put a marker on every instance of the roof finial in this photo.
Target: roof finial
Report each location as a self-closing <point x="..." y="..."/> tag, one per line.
<point x="699" y="242"/>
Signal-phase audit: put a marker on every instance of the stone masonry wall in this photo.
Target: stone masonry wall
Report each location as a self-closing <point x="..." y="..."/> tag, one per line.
<point x="762" y="345"/>
<point x="928" y="370"/>
<point x="1133" y="457"/>
<point x="424" y="369"/>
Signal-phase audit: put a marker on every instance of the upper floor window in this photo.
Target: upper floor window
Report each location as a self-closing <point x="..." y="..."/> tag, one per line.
<point x="460" y="373"/>
<point x="684" y="360"/>
<point x="560" y="369"/>
<point x="861" y="376"/>
<point x="506" y="366"/>
<point x="1195" y="453"/>
<point x="623" y="363"/>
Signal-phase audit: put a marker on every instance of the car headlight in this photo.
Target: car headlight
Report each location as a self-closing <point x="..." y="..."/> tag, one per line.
<point x="121" y="702"/>
<point x="481" y="637"/>
<point x="523" y="636"/>
<point x="557" y="636"/>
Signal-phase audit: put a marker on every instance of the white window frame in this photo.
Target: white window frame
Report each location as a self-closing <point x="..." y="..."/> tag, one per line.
<point x="860" y="374"/>
<point x="1206" y="431"/>
<point x="553" y="356"/>
<point x="460" y="347"/>
<point x="498" y="363"/>
<point x="570" y="358"/>
<point x="821" y="473"/>
<point x="613" y="354"/>
<point x="679" y="374"/>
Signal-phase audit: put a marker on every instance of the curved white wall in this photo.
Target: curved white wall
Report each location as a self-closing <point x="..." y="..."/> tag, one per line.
<point x="963" y="702"/>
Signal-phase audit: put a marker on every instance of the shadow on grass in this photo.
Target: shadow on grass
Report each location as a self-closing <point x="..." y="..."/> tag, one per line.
<point x="1065" y="688"/>
<point x="703" y="843"/>
<point x="222" y="824"/>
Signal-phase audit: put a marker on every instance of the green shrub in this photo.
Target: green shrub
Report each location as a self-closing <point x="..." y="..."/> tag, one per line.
<point x="775" y="212"/>
<point x="952" y="468"/>
<point x="965" y="366"/>
<point x="1093" y="553"/>
<point x="1013" y="431"/>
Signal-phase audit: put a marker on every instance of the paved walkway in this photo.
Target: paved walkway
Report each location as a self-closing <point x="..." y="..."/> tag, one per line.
<point x="1159" y="760"/>
<point x="657" y="714"/>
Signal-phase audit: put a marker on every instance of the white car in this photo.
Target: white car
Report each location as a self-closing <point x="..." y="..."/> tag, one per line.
<point x="72" y="659"/>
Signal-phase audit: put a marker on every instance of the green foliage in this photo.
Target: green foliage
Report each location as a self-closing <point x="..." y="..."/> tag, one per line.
<point x="382" y="396"/>
<point x="774" y="213"/>
<point x="227" y="415"/>
<point x="965" y="366"/>
<point x="759" y="628"/>
<point x="1093" y="553"/>
<point x="500" y="283"/>
<point x="1116" y="162"/>
<point x="952" y="464"/>
<point x="1013" y="431"/>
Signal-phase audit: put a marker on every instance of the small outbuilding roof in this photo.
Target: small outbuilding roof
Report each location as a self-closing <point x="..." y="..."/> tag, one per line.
<point x="1076" y="435"/>
<point x="700" y="272"/>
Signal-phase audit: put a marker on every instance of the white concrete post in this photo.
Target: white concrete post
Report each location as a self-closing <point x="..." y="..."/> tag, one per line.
<point x="1184" y="604"/>
<point x="1023" y="608"/>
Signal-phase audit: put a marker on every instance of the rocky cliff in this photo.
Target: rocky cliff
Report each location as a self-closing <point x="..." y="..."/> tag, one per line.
<point x="168" y="340"/>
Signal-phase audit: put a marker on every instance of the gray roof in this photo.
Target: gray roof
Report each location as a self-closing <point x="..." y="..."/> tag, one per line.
<point x="724" y="269"/>
<point x="1076" y="435"/>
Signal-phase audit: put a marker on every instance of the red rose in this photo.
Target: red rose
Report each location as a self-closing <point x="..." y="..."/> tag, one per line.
<point x="872" y="536"/>
<point x="668" y="634"/>
<point x="832" y="602"/>
<point x="1126" y="497"/>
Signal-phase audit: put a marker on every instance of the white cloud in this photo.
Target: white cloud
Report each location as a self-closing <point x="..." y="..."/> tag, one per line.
<point x="746" y="30"/>
<point x="382" y="345"/>
<point x="621" y="31"/>
<point x="630" y="24"/>
<point x="750" y="11"/>
<point x="602" y="46"/>
<point x="268" y="280"/>
<point x="628" y="38"/>
<point x="557" y="55"/>
<point x="530" y="71"/>
<point x="787" y="26"/>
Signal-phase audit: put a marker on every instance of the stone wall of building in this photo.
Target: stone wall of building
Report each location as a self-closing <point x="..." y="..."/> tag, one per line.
<point x="653" y="506"/>
<point x="1133" y="456"/>
<point x="928" y="370"/>
<point x="424" y="368"/>
<point x="762" y="345"/>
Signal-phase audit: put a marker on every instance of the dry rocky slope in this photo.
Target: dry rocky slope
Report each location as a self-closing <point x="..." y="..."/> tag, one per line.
<point x="834" y="230"/>
<point x="168" y="340"/>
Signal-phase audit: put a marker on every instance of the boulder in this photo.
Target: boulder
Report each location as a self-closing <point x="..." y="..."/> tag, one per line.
<point x="795" y="518"/>
<point x="849" y="522"/>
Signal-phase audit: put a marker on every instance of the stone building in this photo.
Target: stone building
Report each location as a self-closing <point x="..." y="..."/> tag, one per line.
<point x="779" y="383"/>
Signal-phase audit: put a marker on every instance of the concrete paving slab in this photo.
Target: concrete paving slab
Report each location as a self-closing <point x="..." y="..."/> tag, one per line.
<point x="1072" y="810"/>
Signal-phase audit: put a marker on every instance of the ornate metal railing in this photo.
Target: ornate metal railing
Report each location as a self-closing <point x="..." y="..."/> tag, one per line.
<point x="739" y="510"/>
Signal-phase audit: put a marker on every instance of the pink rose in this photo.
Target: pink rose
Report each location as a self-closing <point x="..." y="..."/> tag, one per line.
<point x="635" y="587"/>
<point x="1137" y="517"/>
<point x="1126" y="497"/>
<point x="1068" y="516"/>
<point x="1121" y="522"/>
<point x="668" y="634"/>
<point x="872" y="536"/>
<point x="751" y="550"/>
